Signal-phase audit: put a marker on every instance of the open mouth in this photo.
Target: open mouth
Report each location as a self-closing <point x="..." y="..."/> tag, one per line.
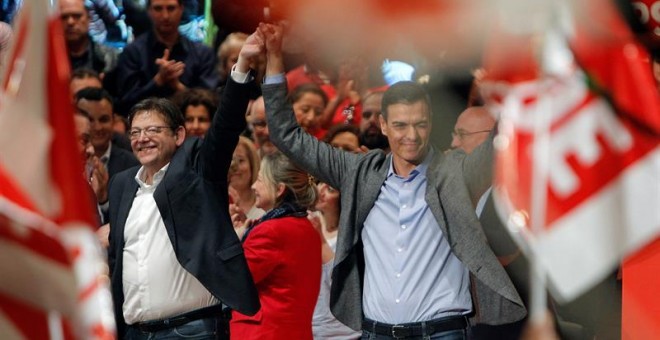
<point x="145" y="148"/>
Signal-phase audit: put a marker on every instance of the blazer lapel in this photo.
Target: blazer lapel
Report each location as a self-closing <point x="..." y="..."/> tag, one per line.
<point x="125" y="204"/>
<point x="370" y="191"/>
<point x="433" y="178"/>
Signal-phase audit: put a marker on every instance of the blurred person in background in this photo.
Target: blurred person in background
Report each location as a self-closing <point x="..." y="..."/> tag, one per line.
<point x="243" y="173"/>
<point x="97" y="103"/>
<point x="256" y="119"/>
<point x="83" y="51"/>
<point x="344" y="136"/>
<point x="162" y="61"/>
<point x="308" y="102"/>
<point x="198" y="107"/>
<point x="228" y="53"/>
<point x="371" y="136"/>
<point x="84" y="77"/>
<point x="326" y="222"/>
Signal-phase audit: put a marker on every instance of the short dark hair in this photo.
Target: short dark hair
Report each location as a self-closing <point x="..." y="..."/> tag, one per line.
<point x="83" y="72"/>
<point x="404" y="92"/>
<point x="340" y="128"/>
<point x="300" y="90"/>
<point x="149" y="3"/>
<point x="164" y="107"/>
<point x="195" y="97"/>
<point x="94" y="94"/>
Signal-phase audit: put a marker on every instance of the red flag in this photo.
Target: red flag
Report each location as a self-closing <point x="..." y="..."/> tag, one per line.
<point x="599" y="169"/>
<point x="46" y="225"/>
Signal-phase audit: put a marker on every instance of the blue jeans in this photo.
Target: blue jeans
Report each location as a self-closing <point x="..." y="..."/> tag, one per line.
<point x="202" y="329"/>
<point x="458" y="334"/>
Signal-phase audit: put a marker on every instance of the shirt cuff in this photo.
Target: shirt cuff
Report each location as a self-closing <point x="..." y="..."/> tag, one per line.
<point x="240" y="77"/>
<point x="275" y="79"/>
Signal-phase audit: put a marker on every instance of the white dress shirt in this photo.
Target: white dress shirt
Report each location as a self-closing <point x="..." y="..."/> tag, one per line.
<point x="155" y="285"/>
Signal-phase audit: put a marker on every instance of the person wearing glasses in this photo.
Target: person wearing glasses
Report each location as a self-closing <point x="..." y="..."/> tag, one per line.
<point x="173" y="254"/>
<point x="472" y="128"/>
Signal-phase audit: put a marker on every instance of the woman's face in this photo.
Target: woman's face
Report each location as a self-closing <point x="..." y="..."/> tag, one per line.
<point x="328" y="198"/>
<point x="307" y="109"/>
<point x="264" y="192"/>
<point x="232" y="59"/>
<point x="241" y="178"/>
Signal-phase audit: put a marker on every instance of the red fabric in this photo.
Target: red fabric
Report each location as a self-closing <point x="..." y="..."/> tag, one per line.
<point x="66" y="166"/>
<point x="284" y="256"/>
<point x="299" y="76"/>
<point x="63" y="257"/>
<point x="641" y="301"/>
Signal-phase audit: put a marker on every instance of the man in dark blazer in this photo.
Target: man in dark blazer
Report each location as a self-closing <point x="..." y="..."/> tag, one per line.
<point x="450" y="271"/>
<point x="174" y="256"/>
<point x="98" y="105"/>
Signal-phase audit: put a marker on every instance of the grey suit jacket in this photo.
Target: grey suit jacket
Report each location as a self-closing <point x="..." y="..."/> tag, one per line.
<point x="359" y="178"/>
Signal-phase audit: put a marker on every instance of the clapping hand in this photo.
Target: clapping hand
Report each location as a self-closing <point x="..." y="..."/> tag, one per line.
<point x="169" y="71"/>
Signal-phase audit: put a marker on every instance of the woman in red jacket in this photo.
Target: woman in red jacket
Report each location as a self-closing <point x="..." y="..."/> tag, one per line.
<point x="283" y="252"/>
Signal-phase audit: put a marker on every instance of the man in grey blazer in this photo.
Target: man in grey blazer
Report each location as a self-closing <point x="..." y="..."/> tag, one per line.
<point x="412" y="260"/>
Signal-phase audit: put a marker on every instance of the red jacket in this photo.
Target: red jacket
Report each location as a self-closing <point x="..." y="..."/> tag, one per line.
<point x="284" y="256"/>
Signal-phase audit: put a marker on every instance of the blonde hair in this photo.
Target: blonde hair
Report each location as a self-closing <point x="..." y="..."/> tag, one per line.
<point x="277" y="168"/>
<point x="253" y="156"/>
<point x="232" y="41"/>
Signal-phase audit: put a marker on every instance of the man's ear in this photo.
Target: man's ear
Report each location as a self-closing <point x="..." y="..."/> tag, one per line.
<point x="179" y="135"/>
<point x="383" y="125"/>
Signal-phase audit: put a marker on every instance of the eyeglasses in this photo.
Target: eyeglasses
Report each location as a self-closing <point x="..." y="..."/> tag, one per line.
<point x="149" y="131"/>
<point x="461" y="134"/>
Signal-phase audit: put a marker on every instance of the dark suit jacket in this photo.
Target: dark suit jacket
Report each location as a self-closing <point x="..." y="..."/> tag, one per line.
<point x="193" y="202"/>
<point x="359" y="178"/>
<point x="120" y="160"/>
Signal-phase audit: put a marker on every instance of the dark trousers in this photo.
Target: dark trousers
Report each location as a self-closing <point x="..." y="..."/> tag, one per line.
<point x="459" y="334"/>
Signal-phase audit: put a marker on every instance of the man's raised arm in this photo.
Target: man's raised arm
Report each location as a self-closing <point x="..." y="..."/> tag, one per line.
<point x="319" y="159"/>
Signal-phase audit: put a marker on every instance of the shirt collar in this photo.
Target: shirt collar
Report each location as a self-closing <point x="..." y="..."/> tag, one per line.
<point x="158" y="176"/>
<point x="106" y="156"/>
<point x="153" y="42"/>
<point x="420" y="169"/>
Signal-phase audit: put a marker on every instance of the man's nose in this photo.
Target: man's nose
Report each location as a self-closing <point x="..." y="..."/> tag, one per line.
<point x="455" y="142"/>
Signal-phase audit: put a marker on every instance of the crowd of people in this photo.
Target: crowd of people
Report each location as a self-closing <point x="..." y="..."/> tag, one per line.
<point x="241" y="198"/>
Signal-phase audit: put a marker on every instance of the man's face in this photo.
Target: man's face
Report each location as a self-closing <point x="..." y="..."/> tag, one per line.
<point x="408" y="127"/>
<point x="166" y="16"/>
<point x="75" y="20"/>
<point x="472" y="128"/>
<point x="85" y="147"/>
<point x="198" y="120"/>
<point x="156" y="150"/>
<point x="101" y="119"/>
<point x="257" y="118"/>
<point x="370" y="132"/>
<point x="370" y="113"/>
